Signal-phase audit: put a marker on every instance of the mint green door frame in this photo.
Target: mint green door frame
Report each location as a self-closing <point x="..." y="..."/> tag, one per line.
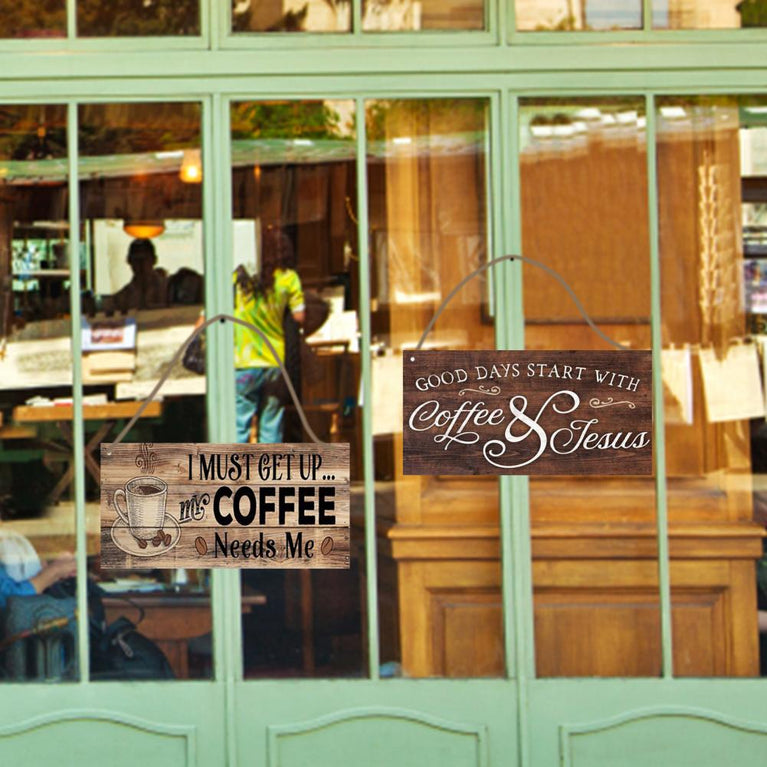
<point x="515" y="720"/>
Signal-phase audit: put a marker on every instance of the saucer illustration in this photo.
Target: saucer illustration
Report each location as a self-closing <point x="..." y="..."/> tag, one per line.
<point x="124" y="540"/>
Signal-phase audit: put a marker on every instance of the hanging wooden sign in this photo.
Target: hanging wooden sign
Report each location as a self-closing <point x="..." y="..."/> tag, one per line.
<point x="525" y="412"/>
<point x="241" y="505"/>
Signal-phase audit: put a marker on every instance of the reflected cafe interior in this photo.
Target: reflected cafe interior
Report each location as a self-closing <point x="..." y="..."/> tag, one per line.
<point x="128" y="339"/>
<point x="438" y="537"/>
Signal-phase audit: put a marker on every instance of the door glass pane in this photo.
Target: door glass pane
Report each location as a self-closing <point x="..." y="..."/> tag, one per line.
<point x="438" y="541"/>
<point x="291" y="16"/>
<point x="31" y="18"/>
<point x="141" y="288"/>
<point x="587" y="15"/>
<point x="414" y="15"/>
<point x="708" y="14"/>
<point x="584" y="214"/>
<point x="293" y="192"/>
<point x="712" y="197"/>
<point x="37" y="512"/>
<point x="137" y="18"/>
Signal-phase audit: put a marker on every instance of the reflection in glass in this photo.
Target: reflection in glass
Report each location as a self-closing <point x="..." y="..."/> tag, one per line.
<point x="595" y="580"/>
<point x="137" y="18"/>
<point x="33" y="18"/>
<point x="141" y="287"/>
<point x="708" y="14"/>
<point x="712" y="156"/>
<point x="293" y="181"/>
<point x="587" y="15"/>
<point x="414" y="15"/>
<point x="37" y="516"/>
<point x="291" y="16"/>
<point x="439" y="570"/>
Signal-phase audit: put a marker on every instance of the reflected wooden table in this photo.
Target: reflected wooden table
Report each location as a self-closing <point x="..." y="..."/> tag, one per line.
<point x="170" y="619"/>
<point x="61" y="415"/>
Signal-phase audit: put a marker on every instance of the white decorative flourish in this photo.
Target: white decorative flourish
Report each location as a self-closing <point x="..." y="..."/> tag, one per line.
<point x="491" y="390"/>
<point x="595" y="402"/>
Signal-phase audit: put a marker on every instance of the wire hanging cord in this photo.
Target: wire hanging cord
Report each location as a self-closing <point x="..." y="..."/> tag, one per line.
<point x="177" y="356"/>
<point x="532" y="262"/>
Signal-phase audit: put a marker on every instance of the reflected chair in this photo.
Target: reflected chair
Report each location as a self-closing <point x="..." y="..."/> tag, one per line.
<point x="39" y="638"/>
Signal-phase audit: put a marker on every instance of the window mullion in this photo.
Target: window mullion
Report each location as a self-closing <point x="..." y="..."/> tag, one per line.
<point x="209" y="23"/>
<point x="664" y="582"/>
<point x="78" y="429"/>
<point x="514" y="497"/>
<point x="71" y="19"/>
<point x="367" y="394"/>
<point x="220" y="362"/>
<point x="499" y="164"/>
<point x="647" y="15"/>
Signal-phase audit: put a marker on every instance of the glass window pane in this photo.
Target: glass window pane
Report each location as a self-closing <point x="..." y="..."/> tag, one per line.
<point x="137" y="18"/>
<point x="587" y="15"/>
<point x="440" y="605"/>
<point x="291" y="16"/>
<point x="712" y="161"/>
<point x="33" y="18"/>
<point x="415" y="15"/>
<point x="141" y="267"/>
<point x="293" y="192"/>
<point x="708" y="14"/>
<point x="584" y="214"/>
<point x="37" y="511"/>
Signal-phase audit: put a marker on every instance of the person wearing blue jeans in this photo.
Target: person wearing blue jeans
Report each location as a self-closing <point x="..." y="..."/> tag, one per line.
<point x="262" y="301"/>
<point x="252" y="398"/>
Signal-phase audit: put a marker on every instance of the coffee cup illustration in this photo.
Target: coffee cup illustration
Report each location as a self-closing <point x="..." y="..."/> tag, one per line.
<point x="144" y="500"/>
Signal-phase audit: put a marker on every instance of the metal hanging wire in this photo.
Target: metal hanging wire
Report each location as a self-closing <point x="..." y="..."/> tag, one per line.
<point x="551" y="272"/>
<point x="178" y="355"/>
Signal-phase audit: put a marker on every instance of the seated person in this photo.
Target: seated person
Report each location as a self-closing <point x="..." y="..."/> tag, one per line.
<point x="21" y="574"/>
<point x="149" y="287"/>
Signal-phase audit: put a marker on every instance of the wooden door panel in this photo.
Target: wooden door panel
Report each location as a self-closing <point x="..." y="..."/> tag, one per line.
<point x="468" y="632"/>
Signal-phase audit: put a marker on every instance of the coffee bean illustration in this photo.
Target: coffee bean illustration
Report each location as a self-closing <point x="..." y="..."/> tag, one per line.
<point x="201" y="546"/>
<point x="326" y="546"/>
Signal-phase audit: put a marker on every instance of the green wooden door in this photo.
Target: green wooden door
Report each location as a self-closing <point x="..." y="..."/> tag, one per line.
<point x="483" y="622"/>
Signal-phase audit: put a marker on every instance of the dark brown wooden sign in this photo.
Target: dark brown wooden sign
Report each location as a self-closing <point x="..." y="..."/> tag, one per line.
<point x="521" y="412"/>
<point x="200" y="505"/>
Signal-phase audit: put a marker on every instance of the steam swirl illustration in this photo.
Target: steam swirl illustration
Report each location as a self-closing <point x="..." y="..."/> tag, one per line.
<point x="146" y="460"/>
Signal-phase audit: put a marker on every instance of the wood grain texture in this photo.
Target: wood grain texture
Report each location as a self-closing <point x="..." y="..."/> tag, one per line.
<point x="109" y="411"/>
<point x="200" y="505"/>
<point x="505" y="412"/>
<point x="595" y="598"/>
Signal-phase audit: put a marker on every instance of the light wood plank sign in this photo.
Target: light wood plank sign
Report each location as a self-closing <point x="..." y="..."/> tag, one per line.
<point x="241" y="505"/>
<point x="524" y="412"/>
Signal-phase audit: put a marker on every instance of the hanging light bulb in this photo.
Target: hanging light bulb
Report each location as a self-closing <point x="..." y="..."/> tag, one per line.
<point x="191" y="167"/>
<point x="143" y="229"/>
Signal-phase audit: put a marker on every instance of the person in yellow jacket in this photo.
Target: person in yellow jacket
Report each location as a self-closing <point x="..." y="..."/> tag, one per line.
<point x="262" y="300"/>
